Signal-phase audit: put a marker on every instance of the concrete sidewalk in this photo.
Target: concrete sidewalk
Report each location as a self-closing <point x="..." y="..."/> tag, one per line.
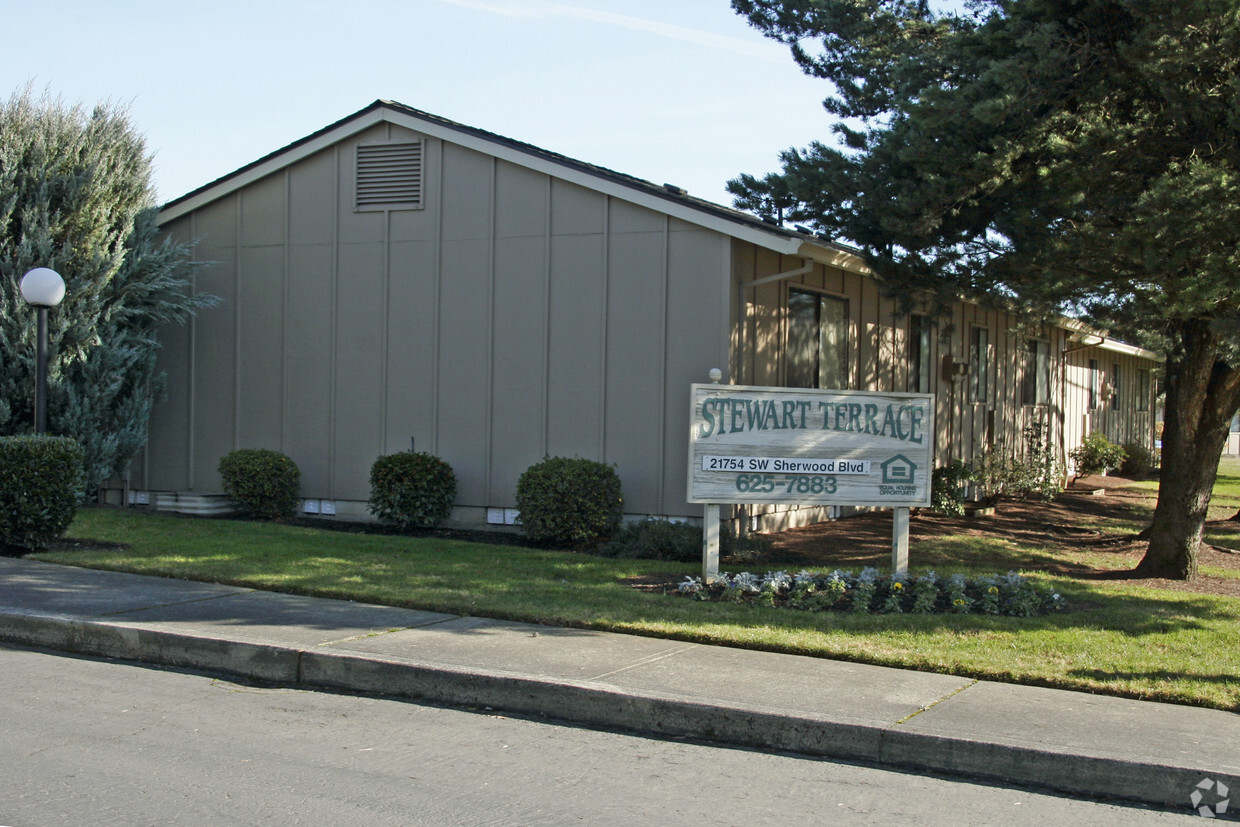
<point x="1068" y="741"/>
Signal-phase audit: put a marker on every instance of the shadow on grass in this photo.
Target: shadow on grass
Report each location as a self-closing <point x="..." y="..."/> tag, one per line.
<point x="1151" y="676"/>
<point x="968" y="555"/>
<point x="1088" y="609"/>
<point x="576" y="589"/>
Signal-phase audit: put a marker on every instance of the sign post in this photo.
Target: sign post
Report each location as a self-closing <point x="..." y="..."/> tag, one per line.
<point x="797" y="446"/>
<point x="899" y="540"/>
<point x="710" y="542"/>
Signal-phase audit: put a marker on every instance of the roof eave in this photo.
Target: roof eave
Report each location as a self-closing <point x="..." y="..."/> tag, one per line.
<point x="1105" y="342"/>
<point x="676" y="204"/>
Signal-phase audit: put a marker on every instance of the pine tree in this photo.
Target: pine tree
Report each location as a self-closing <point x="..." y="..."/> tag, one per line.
<point x="1072" y="157"/>
<point x="76" y="196"/>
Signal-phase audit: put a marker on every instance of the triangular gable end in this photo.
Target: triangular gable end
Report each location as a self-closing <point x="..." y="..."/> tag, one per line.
<point x="664" y="199"/>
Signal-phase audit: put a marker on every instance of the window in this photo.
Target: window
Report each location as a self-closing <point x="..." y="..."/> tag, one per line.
<point x="1143" y="390"/>
<point x="918" y="354"/>
<point x="389" y="176"/>
<point x="979" y="364"/>
<point x="1035" y="386"/>
<point x="817" y="340"/>
<point x="1115" y="386"/>
<point x="1095" y="385"/>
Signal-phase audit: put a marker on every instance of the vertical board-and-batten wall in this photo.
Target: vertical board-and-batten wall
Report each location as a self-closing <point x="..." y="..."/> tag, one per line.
<point x="515" y="315"/>
<point x="878" y="359"/>
<point x="878" y="349"/>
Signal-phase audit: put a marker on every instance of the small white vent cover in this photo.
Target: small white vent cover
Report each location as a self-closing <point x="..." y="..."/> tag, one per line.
<point x="389" y="176"/>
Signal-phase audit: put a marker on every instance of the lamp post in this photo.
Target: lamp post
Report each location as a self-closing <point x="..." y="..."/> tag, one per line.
<point x="43" y="288"/>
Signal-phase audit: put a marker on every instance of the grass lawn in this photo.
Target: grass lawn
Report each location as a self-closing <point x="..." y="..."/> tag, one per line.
<point x="1142" y="639"/>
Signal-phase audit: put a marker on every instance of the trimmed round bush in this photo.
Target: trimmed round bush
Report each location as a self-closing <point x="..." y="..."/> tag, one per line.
<point x="40" y="486"/>
<point x="262" y="484"/>
<point x="411" y="490"/>
<point x="569" y="501"/>
<point x="1096" y="455"/>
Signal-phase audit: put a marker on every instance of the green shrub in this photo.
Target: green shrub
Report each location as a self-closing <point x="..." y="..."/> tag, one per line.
<point x="680" y="542"/>
<point x="656" y="540"/>
<point x="262" y="484"/>
<point x="40" y="485"/>
<point x="1038" y="474"/>
<point x="989" y="471"/>
<point x="947" y="488"/>
<point x="1138" y="459"/>
<point x="1096" y="455"/>
<point x="572" y="501"/>
<point x="411" y="489"/>
<point x="1034" y="473"/>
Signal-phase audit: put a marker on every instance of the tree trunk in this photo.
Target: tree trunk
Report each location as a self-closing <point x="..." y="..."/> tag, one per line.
<point x="1184" y="489"/>
<point x="1202" y="394"/>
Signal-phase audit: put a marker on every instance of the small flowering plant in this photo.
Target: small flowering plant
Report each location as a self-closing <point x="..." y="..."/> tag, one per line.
<point x="868" y="591"/>
<point x="955" y="594"/>
<point x="987" y="595"/>
<point x="864" y="587"/>
<point x="925" y="594"/>
<point x="894" y="602"/>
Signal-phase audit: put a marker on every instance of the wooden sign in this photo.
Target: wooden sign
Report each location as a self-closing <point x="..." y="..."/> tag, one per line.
<point x="811" y="447"/>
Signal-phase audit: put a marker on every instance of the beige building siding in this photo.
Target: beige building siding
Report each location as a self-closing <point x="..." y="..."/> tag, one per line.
<point x="530" y="306"/>
<point x="878" y="359"/>
<point x="1126" y="416"/>
<point x="514" y="316"/>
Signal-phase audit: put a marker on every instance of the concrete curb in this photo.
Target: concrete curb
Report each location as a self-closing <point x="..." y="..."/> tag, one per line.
<point x="599" y="704"/>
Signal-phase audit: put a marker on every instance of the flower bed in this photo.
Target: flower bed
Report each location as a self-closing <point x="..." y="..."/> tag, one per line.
<point x="869" y="592"/>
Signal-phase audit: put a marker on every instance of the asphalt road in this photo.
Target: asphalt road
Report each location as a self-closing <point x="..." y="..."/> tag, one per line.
<point x="94" y="742"/>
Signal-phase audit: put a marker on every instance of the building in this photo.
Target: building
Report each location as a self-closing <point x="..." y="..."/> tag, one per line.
<point x="397" y="280"/>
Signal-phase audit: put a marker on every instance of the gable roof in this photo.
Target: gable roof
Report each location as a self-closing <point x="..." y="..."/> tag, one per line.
<point x="664" y="198"/>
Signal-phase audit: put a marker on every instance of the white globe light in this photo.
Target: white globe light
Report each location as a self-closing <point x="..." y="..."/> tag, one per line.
<point x="43" y="287"/>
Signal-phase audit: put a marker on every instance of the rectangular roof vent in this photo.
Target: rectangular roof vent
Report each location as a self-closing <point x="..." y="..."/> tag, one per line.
<point x="389" y="176"/>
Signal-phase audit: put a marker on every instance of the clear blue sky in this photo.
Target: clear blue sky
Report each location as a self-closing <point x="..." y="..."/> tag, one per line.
<point x="675" y="91"/>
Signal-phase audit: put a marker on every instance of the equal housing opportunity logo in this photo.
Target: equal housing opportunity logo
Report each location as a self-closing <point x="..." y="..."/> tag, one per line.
<point x="1209" y="798"/>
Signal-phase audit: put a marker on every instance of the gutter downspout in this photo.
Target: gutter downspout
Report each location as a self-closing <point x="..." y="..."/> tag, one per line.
<point x="1065" y="477"/>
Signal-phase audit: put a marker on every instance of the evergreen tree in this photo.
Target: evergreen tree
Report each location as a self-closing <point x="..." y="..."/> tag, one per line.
<point x="76" y="196"/>
<point x="1073" y="157"/>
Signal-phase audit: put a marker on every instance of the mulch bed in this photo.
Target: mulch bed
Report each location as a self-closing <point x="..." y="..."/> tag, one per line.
<point x="1067" y="522"/>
